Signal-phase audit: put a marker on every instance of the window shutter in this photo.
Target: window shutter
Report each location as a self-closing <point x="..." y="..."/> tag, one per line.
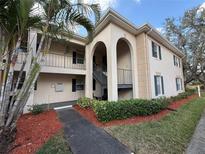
<point x="155" y="85"/>
<point x="160" y="55"/>
<point x="162" y="81"/>
<point x="153" y="54"/>
<point x="174" y="60"/>
<point x="74" y="57"/>
<point x="176" y="85"/>
<point x="181" y="84"/>
<point x="35" y="85"/>
<point x="73" y="85"/>
<point x="94" y="84"/>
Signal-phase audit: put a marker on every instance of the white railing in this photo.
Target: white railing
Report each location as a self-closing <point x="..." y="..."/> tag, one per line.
<point x="124" y="76"/>
<point x="58" y="60"/>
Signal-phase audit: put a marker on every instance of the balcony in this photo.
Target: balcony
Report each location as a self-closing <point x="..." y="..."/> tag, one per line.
<point x="63" y="61"/>
<point x="124" y="78"/>
<point x="59" y="63"/>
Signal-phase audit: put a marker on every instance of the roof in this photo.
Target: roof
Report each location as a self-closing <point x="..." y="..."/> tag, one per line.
<point x="111" y="16"/>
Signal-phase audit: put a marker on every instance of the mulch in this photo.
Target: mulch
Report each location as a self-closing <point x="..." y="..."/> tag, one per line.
<point x="90" y="115"/>
<point x="35" y="130"/>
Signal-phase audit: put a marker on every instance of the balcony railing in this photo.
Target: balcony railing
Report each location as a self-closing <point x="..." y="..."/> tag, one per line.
<point x="124" y="76"/>
<point x="58" y="60"/>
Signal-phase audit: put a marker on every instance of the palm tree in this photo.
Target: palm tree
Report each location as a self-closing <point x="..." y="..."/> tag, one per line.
<point x="58" y="17"/>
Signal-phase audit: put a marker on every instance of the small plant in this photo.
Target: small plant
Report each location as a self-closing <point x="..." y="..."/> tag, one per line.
<point x="36" y="109"/>
<point x="84" y="102"/>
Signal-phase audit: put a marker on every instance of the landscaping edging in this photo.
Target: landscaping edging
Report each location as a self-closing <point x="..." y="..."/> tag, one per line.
<point x="90" y="115"/>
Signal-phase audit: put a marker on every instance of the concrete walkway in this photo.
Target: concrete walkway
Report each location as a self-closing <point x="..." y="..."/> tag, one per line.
<point x="197" y="144"/>
<point x="85" y="138"/>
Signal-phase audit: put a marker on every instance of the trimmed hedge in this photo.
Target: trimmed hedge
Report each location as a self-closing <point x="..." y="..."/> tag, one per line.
<point x="84" y="102"/>
<point x="122" y="109"/>
<point x="107" y="111"/>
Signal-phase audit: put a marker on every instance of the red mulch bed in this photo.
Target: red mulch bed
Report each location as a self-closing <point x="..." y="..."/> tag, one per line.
<point x="34" y="130"/>
<point x="90" y="115"/>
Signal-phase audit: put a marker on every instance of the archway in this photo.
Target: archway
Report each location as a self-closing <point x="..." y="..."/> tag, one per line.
<point x="100" y="72"/>
<point x="124" y="70"/>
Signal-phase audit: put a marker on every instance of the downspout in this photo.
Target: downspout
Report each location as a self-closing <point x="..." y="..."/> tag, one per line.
<point x="148" y="87"/>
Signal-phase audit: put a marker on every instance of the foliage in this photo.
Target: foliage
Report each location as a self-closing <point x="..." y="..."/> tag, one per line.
<point x="107" y="111"/>
<point x="17" y="20"/>
<point x="181" y="95"/>
<point x="36" y="109"/>
<point x="84" y="102"/>
<point x="55" y="145"/>
<point x="188" y="34"/>
<point x="169" y="135"/>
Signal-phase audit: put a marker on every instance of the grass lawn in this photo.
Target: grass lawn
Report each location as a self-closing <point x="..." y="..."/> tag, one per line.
<point x="56" y="145"/>
<point x="169" y="135"/>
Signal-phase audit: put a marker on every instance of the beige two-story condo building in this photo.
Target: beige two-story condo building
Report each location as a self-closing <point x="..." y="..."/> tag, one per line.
<point x="122" y="61"/>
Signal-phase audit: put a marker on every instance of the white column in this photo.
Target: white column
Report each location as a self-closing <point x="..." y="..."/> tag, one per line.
<point x="88" y="76"/>
<point x="112" y="73"/>
<point x="31" y="46"/>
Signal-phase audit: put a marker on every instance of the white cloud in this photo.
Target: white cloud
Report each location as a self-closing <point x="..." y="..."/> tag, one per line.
<point x="160" y="29"/>
<point x="104" y="4"/>
<point x="201" y="8"/>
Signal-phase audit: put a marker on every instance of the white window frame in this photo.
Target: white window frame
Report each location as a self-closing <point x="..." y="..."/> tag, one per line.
<point x="179" y="86"/>
<point x="159" y="85"/>
<point x="177" y="61"/>
<point x="157" y="47"/>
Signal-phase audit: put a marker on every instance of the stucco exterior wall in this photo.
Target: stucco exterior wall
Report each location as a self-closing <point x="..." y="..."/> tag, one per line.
<point x="166" y="68"/>
<point x="46" y="92"/>
<point x="142" y="66"/>
<point x="110" y="36"/>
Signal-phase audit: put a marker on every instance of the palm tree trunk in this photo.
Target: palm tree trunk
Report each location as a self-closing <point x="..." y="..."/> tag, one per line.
<point x="18" y="81"/>
<point x="28" y="84"/>
<point x="6" y="92"/>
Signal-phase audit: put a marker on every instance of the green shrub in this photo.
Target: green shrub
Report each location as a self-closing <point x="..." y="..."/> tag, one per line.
<point x="180" y="96"/>
<point x="110" y="110"/>
<point x="84" y="102"/>
<point x="36" y="109"/>
<point x="107" y="111"/>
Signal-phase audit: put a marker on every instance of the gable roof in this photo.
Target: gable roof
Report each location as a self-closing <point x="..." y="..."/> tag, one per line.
<point x="111" y="16"/>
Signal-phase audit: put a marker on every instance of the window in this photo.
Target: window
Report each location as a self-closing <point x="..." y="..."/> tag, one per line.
<point x="179" y="84"/>
<point x="78" y="58"/>
<point x="77" y="84"/>
<point x="159" y="85"/>
<point x="177" y="61"/>
<point x="156" y="51"/>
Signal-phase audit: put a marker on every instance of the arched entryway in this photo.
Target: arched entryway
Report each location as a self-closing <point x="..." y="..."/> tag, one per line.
<point x="100" y="72"/>
<point x="124" y="70"/>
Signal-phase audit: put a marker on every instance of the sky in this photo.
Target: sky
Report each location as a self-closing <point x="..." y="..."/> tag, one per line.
<point x="148" y="11"/>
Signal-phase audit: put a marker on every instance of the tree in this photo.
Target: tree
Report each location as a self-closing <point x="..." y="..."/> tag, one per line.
<point x="188" y="34"/>
<point x="16" y="17"/>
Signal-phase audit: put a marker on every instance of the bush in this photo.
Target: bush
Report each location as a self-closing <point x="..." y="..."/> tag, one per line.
<point x="84" y="102"/>
<point x="107" y="111"/>
<point x="36" y="109"/>
<point x="180" y="96"/>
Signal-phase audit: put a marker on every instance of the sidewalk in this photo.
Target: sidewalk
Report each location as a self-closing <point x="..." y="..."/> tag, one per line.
<point x="85" y="138"/>
<point x="197" y="144"/>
